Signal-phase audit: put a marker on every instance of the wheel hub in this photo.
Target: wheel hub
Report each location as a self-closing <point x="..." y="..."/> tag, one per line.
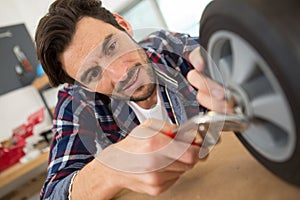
<point x="239" y="100"/>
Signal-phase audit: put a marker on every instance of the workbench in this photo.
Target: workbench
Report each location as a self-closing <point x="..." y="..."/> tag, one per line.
<point x="21" y="173"/>
<point x="230" y="172"/>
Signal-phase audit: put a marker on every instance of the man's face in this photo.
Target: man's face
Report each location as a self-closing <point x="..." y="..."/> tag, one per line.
<point x="106" y="60"/>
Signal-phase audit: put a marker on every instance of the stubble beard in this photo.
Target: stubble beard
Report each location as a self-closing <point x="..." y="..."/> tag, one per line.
<point x="144" y="91"/>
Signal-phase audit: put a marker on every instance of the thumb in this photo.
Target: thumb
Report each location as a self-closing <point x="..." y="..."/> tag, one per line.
<point x="206" y="85"/>
<point x="196" y="59"/>
<point x="158" y="125"/>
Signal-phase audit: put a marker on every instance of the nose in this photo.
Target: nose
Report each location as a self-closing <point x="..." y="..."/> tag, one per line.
<point x="117" y="70"/>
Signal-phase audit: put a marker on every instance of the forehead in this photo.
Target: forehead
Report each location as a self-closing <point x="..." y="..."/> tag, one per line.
<point x="88" y="35"/>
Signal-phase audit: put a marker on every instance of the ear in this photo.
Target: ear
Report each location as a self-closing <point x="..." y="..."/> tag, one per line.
<point x="125" y="24"/>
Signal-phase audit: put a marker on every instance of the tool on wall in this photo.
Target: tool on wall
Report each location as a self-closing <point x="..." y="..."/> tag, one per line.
<point x="22" y="58"/>
<point x="19" y="70"/>
<point x="5" y="34"/>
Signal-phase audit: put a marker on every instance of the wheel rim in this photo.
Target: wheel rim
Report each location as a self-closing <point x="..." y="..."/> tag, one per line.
<point x="241" y="69"/>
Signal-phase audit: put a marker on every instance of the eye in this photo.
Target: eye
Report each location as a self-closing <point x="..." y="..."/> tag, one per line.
<point x="111" y="48"/>
<point x="93" y="74"/>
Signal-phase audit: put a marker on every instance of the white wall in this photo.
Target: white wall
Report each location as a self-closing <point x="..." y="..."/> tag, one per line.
<point x="30" y="11"/>
<point x="23" y="11"/>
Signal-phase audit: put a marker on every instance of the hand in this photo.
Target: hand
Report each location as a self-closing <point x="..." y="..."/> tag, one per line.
<point x="148" y="161"/>
<point x="210" y="94"/>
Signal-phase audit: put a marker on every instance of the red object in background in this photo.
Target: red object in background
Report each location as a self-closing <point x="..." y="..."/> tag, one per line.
<point x="11" y="155"/>
<point x="11" y="151"/>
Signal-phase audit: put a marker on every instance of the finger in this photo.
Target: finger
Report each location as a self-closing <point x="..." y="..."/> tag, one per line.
<point x="159" y="177"/>
<point x="190" y="156"/>
<point x="211" y="103"/>
<point x="181" y="152"/>
<point x="220" y="106"/>
<point x="151" y="183"/>
<point x="177" y="166"/>
<point x="206" y="85"/>
<point x="196" y="59"/>
<point x="167" y="185"/>
<point x="151" y="127"/>
<point x="156" y="190"/>
<point x="158" y="125"/>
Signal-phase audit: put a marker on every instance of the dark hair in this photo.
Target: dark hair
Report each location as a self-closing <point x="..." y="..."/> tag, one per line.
<point x="56" y="29"/>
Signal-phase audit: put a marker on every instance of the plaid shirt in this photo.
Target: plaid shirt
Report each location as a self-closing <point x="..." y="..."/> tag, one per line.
<point x="87" y="122"/>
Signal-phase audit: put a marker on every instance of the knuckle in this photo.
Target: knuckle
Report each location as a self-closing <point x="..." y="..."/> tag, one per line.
<point x="189" y="166"/>
<point x="151" y="144"/>
<point x="155" y="191"/>
<point x="192" y="156"/>
<point x="153" y="180"/>
<point x="151" y="164"/>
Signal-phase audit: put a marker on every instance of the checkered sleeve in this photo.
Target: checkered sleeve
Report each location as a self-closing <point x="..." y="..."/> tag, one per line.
<point x="72" y="145"/>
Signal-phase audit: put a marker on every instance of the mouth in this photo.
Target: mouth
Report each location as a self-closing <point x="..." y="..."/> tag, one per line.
<point x="133" y="80"/>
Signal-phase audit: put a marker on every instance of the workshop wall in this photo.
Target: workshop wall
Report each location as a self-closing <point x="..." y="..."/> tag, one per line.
<point x="20" y="11"/>
<point x="17" y="98"/>
<point x="30" y="11"/>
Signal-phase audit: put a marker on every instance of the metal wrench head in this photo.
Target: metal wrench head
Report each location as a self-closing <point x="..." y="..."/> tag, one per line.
<point x="212" y="123"/>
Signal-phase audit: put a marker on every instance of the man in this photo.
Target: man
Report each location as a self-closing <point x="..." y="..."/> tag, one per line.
<point x="122" y="100"/>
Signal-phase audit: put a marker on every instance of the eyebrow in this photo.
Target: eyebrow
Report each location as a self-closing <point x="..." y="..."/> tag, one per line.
<point x="83" y="77"/>
<point x="107" y="39"/>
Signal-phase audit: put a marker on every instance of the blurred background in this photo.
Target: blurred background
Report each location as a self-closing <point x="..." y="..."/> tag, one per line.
<point x="176" y="15"/>
<point x="26" y="98"/>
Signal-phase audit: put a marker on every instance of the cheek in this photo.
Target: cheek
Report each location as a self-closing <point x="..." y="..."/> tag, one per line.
<point x="104" y="87"/>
